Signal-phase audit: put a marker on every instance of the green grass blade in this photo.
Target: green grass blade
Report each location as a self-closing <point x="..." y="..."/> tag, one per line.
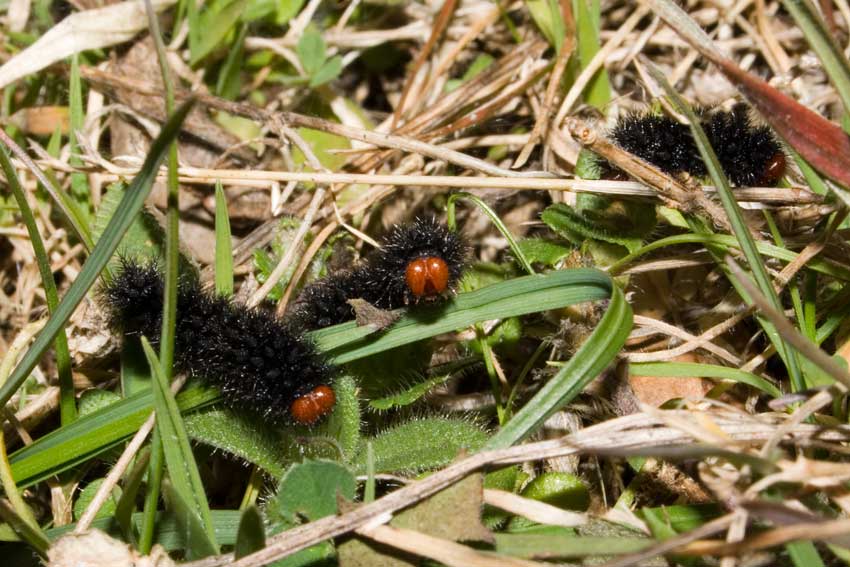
<point x="79" y="181"/>
<point x="816" y="264"/>
<point x="130" y="206"/>
<point x="497" y="222"/>
<point x="67" y="401"/>
<point x="179" y="459"/>
<point x="595" y="354"/>
<point x="519" y="296"/>
<point x="597" y="93"/>
<point x="696" y="370"/>
<point x="223" y="245"/>
<point x="67" y="447"/>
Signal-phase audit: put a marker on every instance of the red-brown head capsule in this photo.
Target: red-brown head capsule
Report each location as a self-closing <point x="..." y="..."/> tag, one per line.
<point x="313" y="405"/>
<point x="427" y="276"/>
<point x="774" y="169"/>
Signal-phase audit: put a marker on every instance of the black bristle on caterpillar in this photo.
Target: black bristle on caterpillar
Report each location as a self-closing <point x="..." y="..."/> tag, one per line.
<point x="420" y="261"/>
<point x="748" y="153"/>
<point x="259" y="363"/>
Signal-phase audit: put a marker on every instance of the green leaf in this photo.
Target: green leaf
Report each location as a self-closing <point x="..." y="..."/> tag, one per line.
<point x="409" y="395"/>
<point x="544" y="251"/>
<point x="182" y="469"/>
<point x="311" y="489"/>
<point x="693" y="369"/>
<point x="562" y="543"/>
<point x="547" y="16"/>
<point x="598" y="90"/>
<point x="144" y="237"/>
<point x="131" y="204"/>
<point x="196" y="542"/>
<point x="223" y="247"/>
<point x="212" y="27"/>
<point x="95" y="399"/>
<point x="79" y="181"/>
<point x="311" y="50"/>
<point x="479" y="64"/>
<point x="559" y="489"/>
<point x="230" y="75"/>
<point x="421" y="444"/>
<point x="627" y="226"/>
<point x="252" y="533"/>
<point x="343" y="425"/>
<point x="287" y="9"/>
<point x="519" y="296"/>
<point x="87" y="495"/>
<point x="329" y="71"/>
<point x="804" y="554"/>
<point x="243" y="436"/>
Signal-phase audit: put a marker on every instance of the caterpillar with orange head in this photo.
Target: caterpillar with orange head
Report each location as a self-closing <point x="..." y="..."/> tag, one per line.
<point x="266" y="365"/>
<point x="420" y="262"/>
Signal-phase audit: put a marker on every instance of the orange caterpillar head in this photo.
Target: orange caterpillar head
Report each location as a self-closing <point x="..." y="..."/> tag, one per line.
<point x="312" y="406"/>
<point x="427" y="277"/>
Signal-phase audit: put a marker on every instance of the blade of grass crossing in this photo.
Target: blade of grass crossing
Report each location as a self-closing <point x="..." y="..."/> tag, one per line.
<point x="67" y="401"/>
<point x="693" y="369"/>
<point x="169" y="319"/>
<point x="79" y="181"/>
<point x="156" y="469"/>
<point x="597" y="352"/>
<point x="739" y="227"/>
<point x="223" y="246"/>
<point x="130" y="205"/>
<point x="179" y="459"/>
<point x="727" y="241"/>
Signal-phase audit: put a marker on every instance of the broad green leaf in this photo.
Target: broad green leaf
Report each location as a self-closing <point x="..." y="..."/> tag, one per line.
<point x="559" y="489"/>
<point x="213" y="25"/>
<point x="311" y="490"/>
<point x="243" y="436"/>
<point x="329" y="71"/>
<point x="421" y="444"/>
<point x="311" y="50"/>
<point x="544" y="251"/>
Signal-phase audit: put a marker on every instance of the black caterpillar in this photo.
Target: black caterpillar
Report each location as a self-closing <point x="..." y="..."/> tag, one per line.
<point x="748" y="153"/>
<point x="421" y="261"/>
<point x="266" y="365"/>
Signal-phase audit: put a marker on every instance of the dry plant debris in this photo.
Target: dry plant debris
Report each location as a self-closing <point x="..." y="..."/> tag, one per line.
<point x="646" y="368"/>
